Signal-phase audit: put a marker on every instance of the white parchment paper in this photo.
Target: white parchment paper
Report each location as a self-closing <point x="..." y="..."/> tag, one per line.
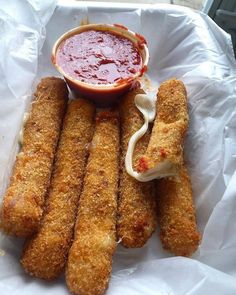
<point x="183" y="44"/>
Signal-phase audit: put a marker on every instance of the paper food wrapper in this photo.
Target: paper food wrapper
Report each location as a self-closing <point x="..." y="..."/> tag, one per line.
<point x="184" y="44"/>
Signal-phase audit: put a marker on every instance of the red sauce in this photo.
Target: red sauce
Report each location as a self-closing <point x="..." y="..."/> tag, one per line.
<point x="99" y="57"/>
<point x="143" y="165"/>
<point x="143" y="70"/>
<point x="121" y="26"/>
<point x="141" y="41"/>
<point x="141" y="38"/>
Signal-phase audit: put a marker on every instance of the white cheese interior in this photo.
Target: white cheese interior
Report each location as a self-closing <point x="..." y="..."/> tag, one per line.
<point x="21" y="134"/>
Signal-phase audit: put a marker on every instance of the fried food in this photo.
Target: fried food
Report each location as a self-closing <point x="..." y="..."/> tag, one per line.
<point x="176" y="214"/>
<point x="165" y="147"/>
<point x="24" y="200"/>
<point x="136" y="209"/>
<point x="45" y="254"/>
<point x="90" y="257"/>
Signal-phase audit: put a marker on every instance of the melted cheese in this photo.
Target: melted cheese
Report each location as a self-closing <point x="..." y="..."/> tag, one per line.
<point x="147" y="106"/>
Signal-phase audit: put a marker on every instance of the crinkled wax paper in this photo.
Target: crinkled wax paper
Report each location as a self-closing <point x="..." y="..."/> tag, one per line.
<point x="183" y="44"/>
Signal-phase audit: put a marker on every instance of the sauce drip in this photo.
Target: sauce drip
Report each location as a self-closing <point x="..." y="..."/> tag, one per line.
<point x="99" y="57"/>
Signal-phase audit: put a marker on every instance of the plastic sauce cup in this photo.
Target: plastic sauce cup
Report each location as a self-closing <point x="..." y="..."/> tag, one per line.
<point x="104" y="94"/>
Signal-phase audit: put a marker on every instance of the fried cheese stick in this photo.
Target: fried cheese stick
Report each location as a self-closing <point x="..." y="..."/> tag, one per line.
<point x="45" y="254"/>
<point x="176" y="214"/>
<point x="137" y="205"/>
<point x="24" y="200"/>
<point x="170" y="126"/>
<point x="90" y="257"/>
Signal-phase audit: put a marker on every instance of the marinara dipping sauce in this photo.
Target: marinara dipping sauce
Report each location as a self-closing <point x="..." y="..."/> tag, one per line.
<point x="99" y="62"/>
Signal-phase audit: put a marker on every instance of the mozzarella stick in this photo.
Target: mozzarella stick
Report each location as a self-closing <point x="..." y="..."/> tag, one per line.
<point x="90" y="257"/>
<point x="136" y="210"/>
<point x="176" y="214"/>
<point x="45" y="254"/>
<point x="24" y="200"/>
<point x="165" y="147"/>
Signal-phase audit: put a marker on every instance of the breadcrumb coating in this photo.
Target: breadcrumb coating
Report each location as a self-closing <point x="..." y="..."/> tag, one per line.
<point x="137" y="206"/>
<point x="45" y="254"/>
<point x="169" y="128"/>
<point x="24" y="200"/>
<point x="90" y="257"/>
<point x="176" y="214"/>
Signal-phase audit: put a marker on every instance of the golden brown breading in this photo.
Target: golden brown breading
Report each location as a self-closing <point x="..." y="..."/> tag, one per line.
<point x="169" y="127"/>
<point x="45" y="254"/>
<point x="136" y="209"/>
<point x="24" y="200"/>
<point x="90" y="257"/>
<point x="176" y="214"/>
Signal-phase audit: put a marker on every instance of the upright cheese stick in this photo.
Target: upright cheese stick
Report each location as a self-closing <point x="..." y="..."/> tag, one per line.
<point x="45" y="254"/>
<point x="90" y="257"/>
<point x="164" y="150"/>
<point x="24" y="200"/>
<point x="136" y="210"/>
<point x="176" y="214"/>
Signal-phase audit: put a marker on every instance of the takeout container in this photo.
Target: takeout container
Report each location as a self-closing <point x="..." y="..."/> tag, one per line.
<point x="183" y="44"/>
<point x="104" y="95"/>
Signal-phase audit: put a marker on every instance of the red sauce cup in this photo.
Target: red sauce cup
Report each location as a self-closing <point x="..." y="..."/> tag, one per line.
<point x="105" y="94"/>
